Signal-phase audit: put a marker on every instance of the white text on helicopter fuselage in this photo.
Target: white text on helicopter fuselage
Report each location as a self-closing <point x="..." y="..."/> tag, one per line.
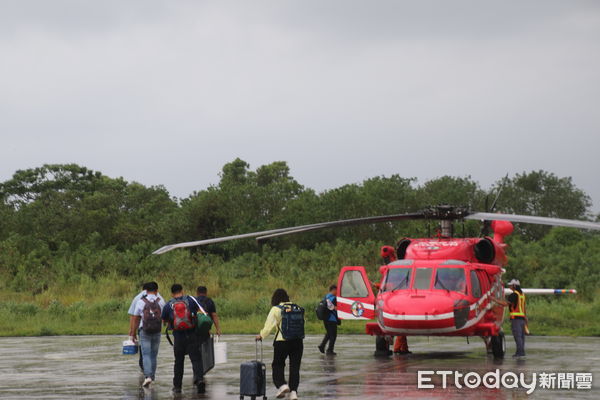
<point x="472" y="380"/>
<point x="436" y="244"/>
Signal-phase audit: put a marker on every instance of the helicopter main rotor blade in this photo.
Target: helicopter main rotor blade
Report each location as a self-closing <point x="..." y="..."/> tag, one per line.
<point x="170" y="247"/>
<point x="294" y="229"/>
<point x="345" y="222"/>
<point x="529" y="219"/>
<point x="290" y="232"/>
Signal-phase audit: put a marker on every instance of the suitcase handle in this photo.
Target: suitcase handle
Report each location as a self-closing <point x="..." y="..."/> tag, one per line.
<point x="261" y="350"/>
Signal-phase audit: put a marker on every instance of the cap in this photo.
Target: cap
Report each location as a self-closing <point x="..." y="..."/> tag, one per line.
<point x="514" y="282"/>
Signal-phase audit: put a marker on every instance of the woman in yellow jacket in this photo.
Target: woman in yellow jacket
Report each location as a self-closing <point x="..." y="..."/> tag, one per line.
<point x="282" y="349"/>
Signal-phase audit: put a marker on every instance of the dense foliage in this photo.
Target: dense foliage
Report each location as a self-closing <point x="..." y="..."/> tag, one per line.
<point x="68" y="233"/>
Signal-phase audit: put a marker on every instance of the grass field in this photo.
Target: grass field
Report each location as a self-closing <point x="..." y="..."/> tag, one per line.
<point x="85" y="310"/>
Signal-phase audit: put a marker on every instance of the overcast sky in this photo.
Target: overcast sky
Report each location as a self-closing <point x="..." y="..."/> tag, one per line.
<point x="167" y="92"/>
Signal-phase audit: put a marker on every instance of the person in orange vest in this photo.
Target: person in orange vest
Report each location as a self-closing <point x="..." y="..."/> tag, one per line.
<point x="518" y="316"/>
<point x="388" y="253"/>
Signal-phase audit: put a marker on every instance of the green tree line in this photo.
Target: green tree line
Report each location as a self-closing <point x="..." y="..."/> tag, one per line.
<point x="67" y="231"/>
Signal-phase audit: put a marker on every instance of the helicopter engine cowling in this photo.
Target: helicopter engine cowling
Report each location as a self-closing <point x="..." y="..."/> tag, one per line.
<point x="485" y="251"/>
<point x="401" y="248"/>
<point x="490" y="251"/>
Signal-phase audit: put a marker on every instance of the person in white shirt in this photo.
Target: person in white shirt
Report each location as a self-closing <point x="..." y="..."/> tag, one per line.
<point x="149" y="337"/>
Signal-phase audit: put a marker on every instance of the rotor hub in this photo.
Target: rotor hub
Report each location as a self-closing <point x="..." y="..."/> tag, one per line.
<point x="445" y="212"/>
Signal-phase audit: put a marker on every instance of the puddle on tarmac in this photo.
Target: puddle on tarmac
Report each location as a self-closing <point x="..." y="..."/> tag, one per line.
<point x="92" y="367"/>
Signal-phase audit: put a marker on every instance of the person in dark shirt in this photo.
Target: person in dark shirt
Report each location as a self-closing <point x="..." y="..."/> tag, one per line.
<point x="186" y="341"/>
<point x="209" y="306"/>
<point x="330" y="322"/>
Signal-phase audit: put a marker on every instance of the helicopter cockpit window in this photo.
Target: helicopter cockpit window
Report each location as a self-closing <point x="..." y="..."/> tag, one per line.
<point x="453" y="262"/>
<point x="422" y="278"/>
<point x="452" y="279"/>
<point x="402" y="262"/>
<point x="353" y="285"/>
<point x="475" y="287"/>
<point x="397" y="279"/>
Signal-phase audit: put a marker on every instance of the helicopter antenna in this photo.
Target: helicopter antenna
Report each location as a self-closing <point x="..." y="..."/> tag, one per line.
<point x="485" y="229"/>
<point x="499" y="193"/>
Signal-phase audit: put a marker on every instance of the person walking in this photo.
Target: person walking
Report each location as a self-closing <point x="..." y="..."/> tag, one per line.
<point x="147" y="321"/>
<point x="132" y="324"/>
<point x="180" y="313"/>
<point x="209" y="306"/>
<point x="518" y="316"/>
<point x="282" y="348"/>
<point x="331" y="322"/>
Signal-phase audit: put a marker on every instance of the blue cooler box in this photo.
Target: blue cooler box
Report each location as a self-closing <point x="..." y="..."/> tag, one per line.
<point x="129" y="347"/>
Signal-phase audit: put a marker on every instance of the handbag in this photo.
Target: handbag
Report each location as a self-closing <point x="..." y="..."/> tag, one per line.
<point x="203" y="324"/>
<point x="203" y="321"/>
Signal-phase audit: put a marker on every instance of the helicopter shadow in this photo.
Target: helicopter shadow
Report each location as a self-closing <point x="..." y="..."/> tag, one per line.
<point x="440" y="360"/>
<point x="444" y="355"/>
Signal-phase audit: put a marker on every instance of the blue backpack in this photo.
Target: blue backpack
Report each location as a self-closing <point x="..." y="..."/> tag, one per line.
<point x="292" y="321"/>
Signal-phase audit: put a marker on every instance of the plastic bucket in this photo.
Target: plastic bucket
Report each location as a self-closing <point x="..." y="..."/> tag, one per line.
<point x="220" y="351"/>
<point x="129" y="347"/>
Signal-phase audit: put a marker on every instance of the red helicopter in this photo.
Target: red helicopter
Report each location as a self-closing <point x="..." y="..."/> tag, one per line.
<point x="440" y="286"/>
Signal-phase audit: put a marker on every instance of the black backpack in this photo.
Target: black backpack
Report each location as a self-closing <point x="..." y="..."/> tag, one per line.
<point x="292" y="321"/>
<point x="321" y="310"/>
<point x="151" y="316"/>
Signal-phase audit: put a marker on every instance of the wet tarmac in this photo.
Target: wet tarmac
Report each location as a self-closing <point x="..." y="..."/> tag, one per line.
<point x="92" y="367"/>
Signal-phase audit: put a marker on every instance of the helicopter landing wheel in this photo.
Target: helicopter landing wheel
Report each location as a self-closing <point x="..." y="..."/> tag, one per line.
<point x="382" y="347"/>
<point x="498" y="344"/>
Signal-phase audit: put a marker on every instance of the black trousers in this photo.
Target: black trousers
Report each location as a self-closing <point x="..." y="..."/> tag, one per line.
<point x="518" y="331"/>
<point x="282" y="350"/>
<point x="330" y="335"/>
<point x="187" y="342"/>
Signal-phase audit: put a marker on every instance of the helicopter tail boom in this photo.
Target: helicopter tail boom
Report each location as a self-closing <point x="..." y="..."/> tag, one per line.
<point x="543" y="291"/>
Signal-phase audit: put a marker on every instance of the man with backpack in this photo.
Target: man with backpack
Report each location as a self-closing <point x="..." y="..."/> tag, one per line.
<point x="180" y="313"/>
<point x="133" y="325"/>
<point x="331" y="321"/>
<point x="147" y="315"/>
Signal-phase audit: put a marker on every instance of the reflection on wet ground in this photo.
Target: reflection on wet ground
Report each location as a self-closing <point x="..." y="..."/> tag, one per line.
<point x="92" y="367"/>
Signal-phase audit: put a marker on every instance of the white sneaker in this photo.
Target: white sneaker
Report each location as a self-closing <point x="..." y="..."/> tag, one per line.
<point x="293" y="395"/>
<point x="147" y="382"/>
<point x="283" y="389"/>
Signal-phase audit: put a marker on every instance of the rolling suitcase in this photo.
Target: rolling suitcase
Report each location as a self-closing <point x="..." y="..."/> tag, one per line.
<point x="253" y="377"/>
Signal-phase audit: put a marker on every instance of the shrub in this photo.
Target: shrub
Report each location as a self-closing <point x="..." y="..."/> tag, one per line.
<point x="24" y="309"/>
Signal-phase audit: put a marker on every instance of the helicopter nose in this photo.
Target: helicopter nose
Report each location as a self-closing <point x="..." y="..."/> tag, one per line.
<point x="431" y="313"/>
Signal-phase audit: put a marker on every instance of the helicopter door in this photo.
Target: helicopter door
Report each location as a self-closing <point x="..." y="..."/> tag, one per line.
<point x="355" y="298"/>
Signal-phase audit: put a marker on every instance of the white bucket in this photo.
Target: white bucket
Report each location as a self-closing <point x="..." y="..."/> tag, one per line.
<point x="220" y="351"/>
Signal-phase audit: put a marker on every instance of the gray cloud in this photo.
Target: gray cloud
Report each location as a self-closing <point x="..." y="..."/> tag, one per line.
<point x="167" y="92"/>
